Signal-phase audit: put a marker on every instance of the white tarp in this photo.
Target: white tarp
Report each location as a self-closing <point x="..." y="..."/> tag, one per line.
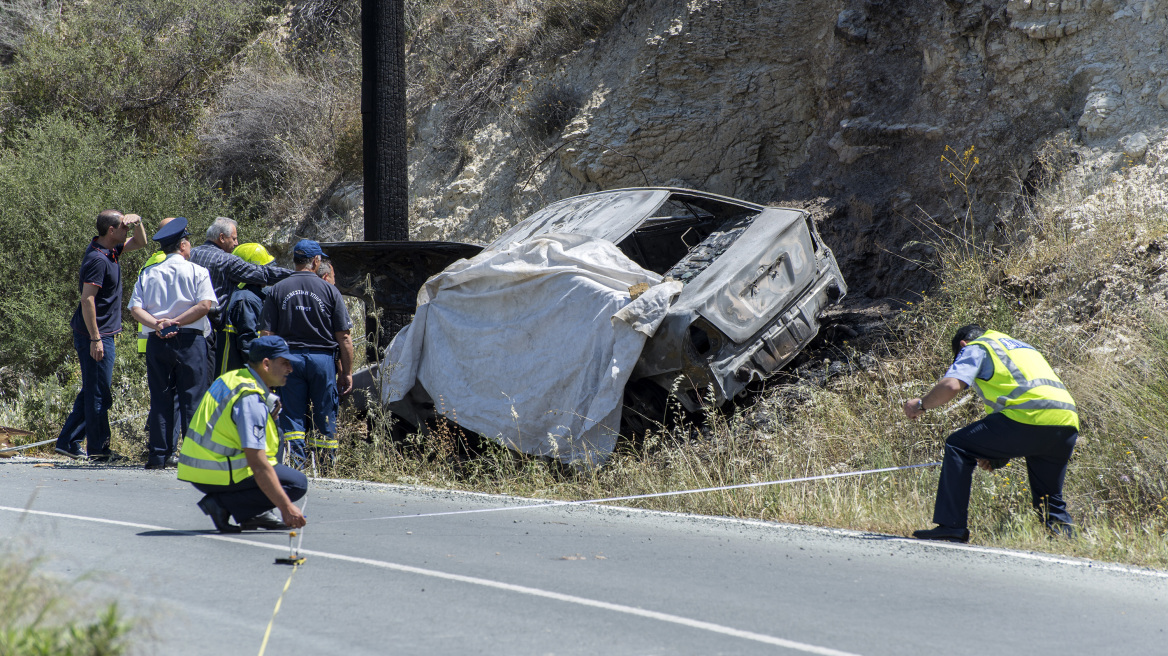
<point x="532" y="345"/>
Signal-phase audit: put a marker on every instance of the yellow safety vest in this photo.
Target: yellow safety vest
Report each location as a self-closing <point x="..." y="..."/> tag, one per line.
<point x="157" y="257"/>
<point x="212" y="452"/>
<point x="1024" y="387"/>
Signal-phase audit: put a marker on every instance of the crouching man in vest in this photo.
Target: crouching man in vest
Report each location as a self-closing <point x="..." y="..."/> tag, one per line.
<point x="1031" y="415"/>
<point x="229" y="452"/>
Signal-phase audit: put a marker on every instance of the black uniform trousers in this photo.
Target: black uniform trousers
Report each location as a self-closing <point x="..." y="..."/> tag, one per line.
<point x="1047" y="450"/>
<point x="245" y="499"/>
<point x="176" y="372"/>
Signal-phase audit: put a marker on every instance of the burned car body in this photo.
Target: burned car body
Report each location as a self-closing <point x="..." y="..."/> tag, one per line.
<point x="756" y="280"/>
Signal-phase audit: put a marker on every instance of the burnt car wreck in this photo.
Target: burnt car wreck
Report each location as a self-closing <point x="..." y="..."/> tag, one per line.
<point x="754" y="282"/>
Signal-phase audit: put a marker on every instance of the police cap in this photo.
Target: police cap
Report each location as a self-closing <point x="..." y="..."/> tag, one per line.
<point x="268" y="346"/>
<point x="172" y="232"/>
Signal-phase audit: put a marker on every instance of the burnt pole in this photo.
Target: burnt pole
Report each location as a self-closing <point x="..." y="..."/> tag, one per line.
<point x="383" y="132"/>
<point x="383" y="120"/>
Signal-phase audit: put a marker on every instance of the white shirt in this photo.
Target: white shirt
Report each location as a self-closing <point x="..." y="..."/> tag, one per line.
<point x="171" y="287"/>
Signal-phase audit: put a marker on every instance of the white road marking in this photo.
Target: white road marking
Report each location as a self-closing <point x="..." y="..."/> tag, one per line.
<point x="1081" y="563"/>
<point x="498" y="585"/>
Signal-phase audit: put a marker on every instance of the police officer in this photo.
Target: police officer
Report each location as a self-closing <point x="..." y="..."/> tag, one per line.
<point x="242" y="317"/>
<point x="1031" y="415"/>
<point x="171" y="300"/>
<point x="311" y="315"/>
<point x="229" y="452"/>
<point x="143" y="338"/>
<point x="155" y="258"/>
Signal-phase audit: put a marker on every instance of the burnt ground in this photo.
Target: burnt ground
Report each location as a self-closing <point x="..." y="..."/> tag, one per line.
<point x="851" y="335"/>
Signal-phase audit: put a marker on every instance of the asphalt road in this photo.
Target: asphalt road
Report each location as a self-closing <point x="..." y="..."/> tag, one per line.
<point x="560" y="580"/>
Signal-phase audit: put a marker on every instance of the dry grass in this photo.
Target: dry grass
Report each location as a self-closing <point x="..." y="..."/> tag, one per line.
<point x="286" y="119"/>
<point x="466" y="53"/>
<point x="42" y="404"/>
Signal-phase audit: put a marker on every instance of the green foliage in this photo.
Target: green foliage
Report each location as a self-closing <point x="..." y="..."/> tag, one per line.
<point x="150" y="63"/>
<point x="55" y="176"/>
<point x="37" y="620"/>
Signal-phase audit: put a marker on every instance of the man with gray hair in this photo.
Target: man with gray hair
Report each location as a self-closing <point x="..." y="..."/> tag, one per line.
<point x="227" y="271"/>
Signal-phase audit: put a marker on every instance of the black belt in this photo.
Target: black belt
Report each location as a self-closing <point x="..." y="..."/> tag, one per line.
<point x="181" y="330"/>
<point x="313" y="349"/>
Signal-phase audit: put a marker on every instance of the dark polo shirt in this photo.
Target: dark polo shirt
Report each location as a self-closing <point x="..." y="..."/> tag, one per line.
<point x="99" y="267"/>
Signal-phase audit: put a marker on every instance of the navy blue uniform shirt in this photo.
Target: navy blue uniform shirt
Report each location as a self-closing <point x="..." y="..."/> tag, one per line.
<point x="99" y="267"/>
<point x="305" y="311"/>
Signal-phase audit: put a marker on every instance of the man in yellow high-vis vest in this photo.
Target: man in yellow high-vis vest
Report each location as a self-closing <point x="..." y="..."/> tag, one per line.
<point x="1032" y="415"/>
<point x="229" y="452"/>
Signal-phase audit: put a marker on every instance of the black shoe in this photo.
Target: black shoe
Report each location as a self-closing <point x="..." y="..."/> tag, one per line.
<point x="155" y="465"/>
<point x="943" y="533"/>
<point x="219" y="516"/>
<point x="109" y="459"/>
<point x="266" y="520"/>
<point x="172" y="460"/>
<point x="76" y="455"/>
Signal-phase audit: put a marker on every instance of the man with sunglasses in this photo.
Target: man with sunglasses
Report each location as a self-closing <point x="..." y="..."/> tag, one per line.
<point x="97" y="319"/>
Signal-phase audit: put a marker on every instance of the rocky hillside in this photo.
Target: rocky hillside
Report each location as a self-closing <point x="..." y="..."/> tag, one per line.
<point x="896" y="122"/>
<point x="847" y="105"/>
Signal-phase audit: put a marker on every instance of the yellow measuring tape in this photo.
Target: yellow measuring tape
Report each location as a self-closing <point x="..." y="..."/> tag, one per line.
<point x="296" y="561"/>
<point x="268" y="633"/>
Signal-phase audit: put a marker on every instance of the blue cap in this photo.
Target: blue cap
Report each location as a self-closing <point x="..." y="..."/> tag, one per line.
<point x="172" y="232"/>
<point x="307" y="249"/>
<point x="268" y="346"/>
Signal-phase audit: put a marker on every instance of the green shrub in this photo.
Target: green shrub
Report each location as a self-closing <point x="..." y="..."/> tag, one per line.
<point x="55" y="176"/>
<point x="37" y="617"/>
<point x="148" y="62"/>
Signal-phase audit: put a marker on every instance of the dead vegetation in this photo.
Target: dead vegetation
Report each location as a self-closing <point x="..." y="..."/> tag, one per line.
<point x="468" y="64"/>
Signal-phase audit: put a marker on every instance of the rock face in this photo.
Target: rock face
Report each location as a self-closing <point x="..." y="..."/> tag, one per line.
<point x="844" y="104"/>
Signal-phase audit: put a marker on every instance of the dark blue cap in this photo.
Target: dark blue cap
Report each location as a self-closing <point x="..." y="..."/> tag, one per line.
<point x="172" y="232"/>
<point x="307" y="249"/>
<point x="268" y="346"/>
